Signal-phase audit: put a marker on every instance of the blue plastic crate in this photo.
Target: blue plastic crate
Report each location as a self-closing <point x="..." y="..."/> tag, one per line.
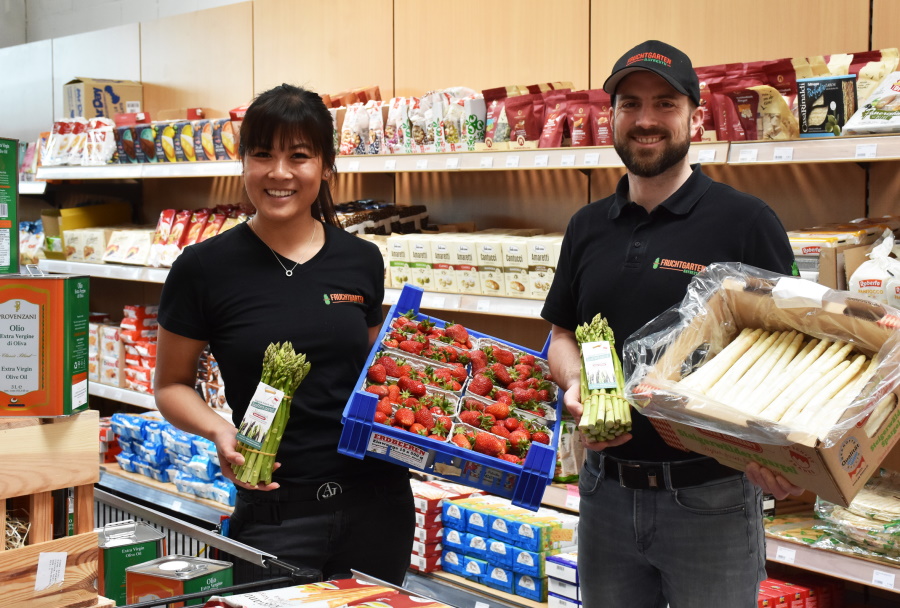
<point x="361" y="437"/>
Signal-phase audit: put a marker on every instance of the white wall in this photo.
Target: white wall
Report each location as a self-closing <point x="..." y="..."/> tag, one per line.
<point x="24" y="21"/>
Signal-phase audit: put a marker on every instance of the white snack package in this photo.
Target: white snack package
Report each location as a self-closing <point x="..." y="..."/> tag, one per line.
<point x="872" y="277"/>
<point x="881" y="111"/>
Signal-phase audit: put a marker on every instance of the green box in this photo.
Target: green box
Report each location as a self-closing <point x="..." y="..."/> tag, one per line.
<point x="9" y="206"/>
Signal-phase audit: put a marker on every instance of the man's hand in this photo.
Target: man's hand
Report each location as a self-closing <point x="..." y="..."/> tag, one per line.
<point x="226" y="446"/>
<point x="772" y="483"/>
<point x="572" y="401"/>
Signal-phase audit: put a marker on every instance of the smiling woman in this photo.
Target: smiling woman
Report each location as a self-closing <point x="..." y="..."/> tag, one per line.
<point x="227" y="292"/>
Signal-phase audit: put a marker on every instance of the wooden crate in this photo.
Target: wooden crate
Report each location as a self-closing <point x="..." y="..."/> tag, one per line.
<point x="42" y="455"/>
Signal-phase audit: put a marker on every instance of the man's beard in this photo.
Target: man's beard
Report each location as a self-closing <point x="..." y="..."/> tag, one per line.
<point x="646" y="164"/>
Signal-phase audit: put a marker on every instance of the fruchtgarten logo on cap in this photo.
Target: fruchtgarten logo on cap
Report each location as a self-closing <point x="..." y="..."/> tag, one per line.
<point x="654" y="57"/>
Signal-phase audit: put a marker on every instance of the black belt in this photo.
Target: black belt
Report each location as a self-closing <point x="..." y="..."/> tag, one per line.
<point x="651" y="475"/>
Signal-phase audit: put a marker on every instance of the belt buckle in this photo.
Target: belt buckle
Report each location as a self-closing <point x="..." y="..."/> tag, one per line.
<point x="652" y="482"/>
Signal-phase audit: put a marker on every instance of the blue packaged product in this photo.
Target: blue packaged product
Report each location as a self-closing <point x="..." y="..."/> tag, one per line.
<point x="528" y="562"/>
<point x="499" y="578"/>
<point x="499" y="553"/>
<point x="223" y="491"/>
<point x="531" y="587"/>
<point x="476" y="546"/>
<point x="474" y="568"/>
<point x="153" y="453"/>
<point x="186" y="483"/>
<point x="477" y="522"/>
<point x="499" y="527"/>
<point x="205" y="447"/>
<point x="453" y="515"/>
<point x="177" y="441"/>
<point x="126" y="461"/>
<point x="454" y="539"/>
<point x="202" y="467"/>
<point x="453" y="561"/>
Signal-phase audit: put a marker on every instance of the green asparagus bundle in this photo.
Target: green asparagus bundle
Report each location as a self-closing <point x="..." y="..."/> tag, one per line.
<point x="283" y="370"/>
<point x="606" y="413"/>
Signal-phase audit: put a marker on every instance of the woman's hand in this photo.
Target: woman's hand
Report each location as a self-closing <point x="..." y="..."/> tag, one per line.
<point x="226" y="446"/>
<point x="572" y="401"/>
<point x="772" y="483"/>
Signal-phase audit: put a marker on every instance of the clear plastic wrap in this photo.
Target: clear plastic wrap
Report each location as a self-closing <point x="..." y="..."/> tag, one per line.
<point x="721" y="301"/>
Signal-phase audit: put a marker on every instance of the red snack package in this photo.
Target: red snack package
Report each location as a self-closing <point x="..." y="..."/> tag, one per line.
<point x="554" y="120"/>
<point x="524" y="126"/>
<point x="195" y="228"/>
<point x="709" y="102"/>
<point x="179" y="228"/>
<point x="578" y="117"/>
<point x="496" y="124"/>
<point x="600" y="109"/>
<point x="213" y="225"/>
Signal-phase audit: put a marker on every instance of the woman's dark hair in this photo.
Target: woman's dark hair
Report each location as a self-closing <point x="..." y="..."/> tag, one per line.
<point x="291" y="113"/>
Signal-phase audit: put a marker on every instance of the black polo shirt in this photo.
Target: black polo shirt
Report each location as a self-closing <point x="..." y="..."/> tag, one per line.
<point x="630" y="265"/>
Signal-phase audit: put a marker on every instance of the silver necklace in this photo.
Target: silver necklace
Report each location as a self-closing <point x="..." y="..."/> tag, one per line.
<point x="289" y="271"/>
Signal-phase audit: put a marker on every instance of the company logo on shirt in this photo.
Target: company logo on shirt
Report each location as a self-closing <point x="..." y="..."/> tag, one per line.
<point x="678" y="266"/>
<point x="341" y="298"/>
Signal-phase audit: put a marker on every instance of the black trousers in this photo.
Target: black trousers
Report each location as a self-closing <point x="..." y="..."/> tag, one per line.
<point x="370" y="531"/>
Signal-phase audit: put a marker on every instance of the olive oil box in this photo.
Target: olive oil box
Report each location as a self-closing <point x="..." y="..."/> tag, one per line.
<point x="43" y="345"/>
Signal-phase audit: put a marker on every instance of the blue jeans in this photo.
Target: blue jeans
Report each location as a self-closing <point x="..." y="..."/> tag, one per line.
<point x="697" y="547"/>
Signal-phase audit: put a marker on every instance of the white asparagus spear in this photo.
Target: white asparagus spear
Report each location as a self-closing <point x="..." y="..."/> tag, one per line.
<point x="740" y="367"/>
<point x="769" y="391"/>
<point x="764" y="367"/>
<point x="827" y="387"/>
<point x="712" y="370"/>
<point x="832" y="357"/>
<point x="840" y="402"/>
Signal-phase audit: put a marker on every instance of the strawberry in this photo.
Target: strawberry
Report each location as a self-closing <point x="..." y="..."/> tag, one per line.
<point x="478" y="359"/>
<point x="378" y="390"/>
<point x="540" y="437"/>
<point x="480" y="385"/>
<point x="425" y="418"/>
<point x="425" y="326"/>
<point x="412" y="403"/>
<point x="511" y="424"/>
<point x="526" y="359"/>
<point x="503" y="356"/>
<point x="391" y="343"/>
<point x="500" y="411"/>
<point x="394" y="393"/>
<point x="458" y="371"/>
<point x="444" y="422"/>
<point x="510" y="458"/>
<point x="501" y="373"/>
<point x="499" y="429"/>
<point x="443" y="374"/>
<point x="486" y="421"/>
<point x="457" y="332"/>
<point x="385" y="406"/>
<point x="437" y="437"/>
<point x="518" y="441"/>
<point x="418" y="429"/>
<point x="461" y="440"/>
<point x="469" y="417"/>
<point x="412" y="346"/>
<point x="377" y="374"/>
<point x="381" y="417"/>
<point x="388" y="363"/>
<point x="473" y="404"/>
<point x="488" y="444"/>
<point x="524" y="371"/>
<point x="521" y="395"/>
<point x="543" y="395"/>
<point x="403" y="369"/>
<point x="416" y="388"/>
<point x="504" y="397"/>
<point x="404" y="416"/>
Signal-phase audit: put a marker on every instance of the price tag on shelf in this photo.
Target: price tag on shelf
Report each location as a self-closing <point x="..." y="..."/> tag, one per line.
<point x="541" y="160"/>
<point x="421" y="164"/>
<point x="482" y="605"/>
<point x="748" y="155"/>
<point x="452" y="162"/>
<point x="568" y="160"/>
<point x="572" y="496"/>
<point x="353" y="165"/>
<point x="512" y="160"/>
<point x="176" y="505"/>
<point x="882" y="579"/>
<point x="592" y="158"/>
<point x="486" y="162"/>
<point x="483" y="305"/>
<point x="783" y="154"/>
<point x="390" y="164"/>
<point x="785" y="554"/>
<point x="866" y="150"/>
<point x="706" y="156"/>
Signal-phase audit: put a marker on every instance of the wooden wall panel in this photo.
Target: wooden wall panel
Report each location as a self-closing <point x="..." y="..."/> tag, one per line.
<point x="326" y="46"/>
<point x="885" y="24"/>
<point x="713" y="32"/>
<point x="111" y="53"/>
<point x="884" y="189"/>
<point x="497" y="199"/>
<point x="200" y="59"/>
<point x="482" y="44"/>
<point x="27" y="74"/>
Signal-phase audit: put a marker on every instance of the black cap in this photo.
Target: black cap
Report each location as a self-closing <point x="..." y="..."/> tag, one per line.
<point x="662" y="59"/>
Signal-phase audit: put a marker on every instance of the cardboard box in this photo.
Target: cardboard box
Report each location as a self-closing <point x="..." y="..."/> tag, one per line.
<point x="423" y="563"/>
<point x="427" y="549"/>
<point x="564" y="589"/>
<point x="515" y="267"/>
<point x="420" y="261"/>
<point x="464" y="256"/>
<point x="57" y="221"/>
<point x="563" y="566"/>
<point x="489" y="251"/>
<point x="93" y="244"/>
<point x="442" y="265"/>
<point x="835" y="473"/>
<point x="556" y="601"/>
<point x="90" y="97"/>
<point x="399" y="271"/>
<point x="44" y="329"/>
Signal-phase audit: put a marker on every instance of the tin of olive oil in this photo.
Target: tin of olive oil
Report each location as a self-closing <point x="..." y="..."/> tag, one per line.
<point x="175" y="575"/>
<point x="124" y="544"/>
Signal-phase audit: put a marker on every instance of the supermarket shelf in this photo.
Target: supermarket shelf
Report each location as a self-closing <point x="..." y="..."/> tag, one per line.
<point x="122" y="395"/>
<point x="830" y="563"/>
<point x="38" y="187"/>
<point x="163" y="494"/>
<point x="104" y="172"/>
<point x="106" y="271"/>
<point x="457" y="591"/>
<point x="490" y="305"/>
<point x="826" y="149"/>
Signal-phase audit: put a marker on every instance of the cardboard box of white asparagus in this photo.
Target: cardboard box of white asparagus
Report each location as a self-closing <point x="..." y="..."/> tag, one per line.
<point x="835" y="463"/>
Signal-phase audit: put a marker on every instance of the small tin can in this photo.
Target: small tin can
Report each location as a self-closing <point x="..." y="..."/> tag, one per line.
<point x="123" y="544"/>
<point x="175" y="575"/>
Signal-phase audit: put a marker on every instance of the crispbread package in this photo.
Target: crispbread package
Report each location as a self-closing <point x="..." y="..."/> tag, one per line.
<point x="881" y="112"/>
<point x="825" y="104"/>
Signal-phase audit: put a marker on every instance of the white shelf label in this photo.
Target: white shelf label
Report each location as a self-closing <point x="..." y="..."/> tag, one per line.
<point x="51" y="569"/>
<point x="541" y="160"/>
<point x="592" y="158"/>
<point x="783" y="154"/>
<point x="866" y="150"/>
<point x="486" y="162"/>
<point x="436" y="301"/>
<point x="748" y="155"/>
<point x="483" y="305"/>
<point x="390" y="164"/>
<point x="568" y="160"/>
<point x="706" y="156"/>
<point x="482" y="605"/>
<point x="512" y="160"/>
<point x="421" y="164"/>
<point x="353" y="165"/>
<point x="453" y="162"/>
<point x="786" y="555"/>
<point x="176" y="505"/>
<point x="572" y="496"/>
<point x="883" y="579"/>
